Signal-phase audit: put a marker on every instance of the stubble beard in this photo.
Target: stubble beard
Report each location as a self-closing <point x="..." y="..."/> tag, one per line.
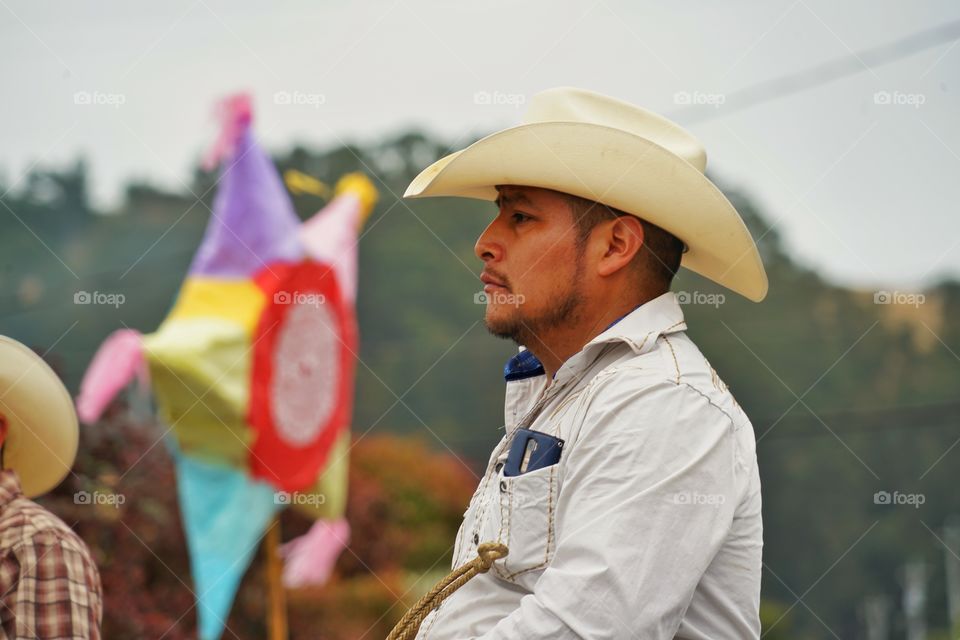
<point x="525" y="330"/>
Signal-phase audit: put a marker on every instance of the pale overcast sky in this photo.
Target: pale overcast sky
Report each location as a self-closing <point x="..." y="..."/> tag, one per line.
<point x="864" y="191"/>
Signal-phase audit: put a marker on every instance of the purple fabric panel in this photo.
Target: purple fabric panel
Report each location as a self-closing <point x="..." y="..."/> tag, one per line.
<point x="253" y="222"/>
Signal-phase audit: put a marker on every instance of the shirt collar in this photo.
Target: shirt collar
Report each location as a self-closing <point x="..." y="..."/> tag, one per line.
<point x="639" y="329"/>
<point x="9" y="487"/>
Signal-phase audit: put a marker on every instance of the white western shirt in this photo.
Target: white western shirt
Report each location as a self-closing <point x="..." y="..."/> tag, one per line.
<point x="648" y="527"/>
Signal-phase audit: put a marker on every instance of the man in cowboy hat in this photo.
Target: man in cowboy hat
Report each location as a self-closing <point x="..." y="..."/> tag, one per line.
<point x="626" y="487"/>
<point x="49" y="585"/>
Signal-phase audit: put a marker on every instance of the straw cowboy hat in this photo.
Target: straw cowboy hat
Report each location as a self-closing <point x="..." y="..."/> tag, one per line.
<point x="596" y="147"/>
<point x="42" y="431"/>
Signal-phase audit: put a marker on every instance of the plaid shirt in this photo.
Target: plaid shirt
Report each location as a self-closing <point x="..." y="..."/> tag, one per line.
<point x="49" y="585"/>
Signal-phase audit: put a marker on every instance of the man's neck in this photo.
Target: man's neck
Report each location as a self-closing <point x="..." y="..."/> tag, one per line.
<point x="555" y="346"/>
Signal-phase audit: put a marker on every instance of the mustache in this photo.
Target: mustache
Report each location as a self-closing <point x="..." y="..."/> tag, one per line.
<point x="499" y="276"/>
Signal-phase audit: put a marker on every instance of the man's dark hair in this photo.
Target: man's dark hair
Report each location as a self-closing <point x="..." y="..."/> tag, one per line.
<point x="658" y="259"/>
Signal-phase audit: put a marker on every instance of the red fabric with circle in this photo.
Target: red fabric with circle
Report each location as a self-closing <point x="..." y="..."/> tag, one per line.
<point x="293" y="464"/>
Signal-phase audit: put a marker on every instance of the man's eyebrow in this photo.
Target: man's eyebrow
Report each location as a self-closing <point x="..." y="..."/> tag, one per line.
<point x="519" y="198"/>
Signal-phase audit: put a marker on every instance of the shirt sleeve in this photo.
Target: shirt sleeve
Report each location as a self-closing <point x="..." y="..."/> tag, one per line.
<point x="58" y="594"/>
<point x="649" y="492"/>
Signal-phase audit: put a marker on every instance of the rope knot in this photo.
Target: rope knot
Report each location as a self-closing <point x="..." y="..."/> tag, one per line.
<point x="488" y="553"/>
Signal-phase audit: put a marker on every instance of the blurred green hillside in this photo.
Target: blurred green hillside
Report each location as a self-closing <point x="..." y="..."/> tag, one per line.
<point x="849" y="395"/>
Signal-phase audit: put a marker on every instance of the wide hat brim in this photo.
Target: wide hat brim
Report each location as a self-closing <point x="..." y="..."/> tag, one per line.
<point x="42" y="434"/>
<point x="619" y="169"/>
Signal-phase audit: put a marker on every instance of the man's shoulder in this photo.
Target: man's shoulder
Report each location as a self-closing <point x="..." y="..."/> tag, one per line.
<point x="23" y="522"/>
<point x="674" y="366"/>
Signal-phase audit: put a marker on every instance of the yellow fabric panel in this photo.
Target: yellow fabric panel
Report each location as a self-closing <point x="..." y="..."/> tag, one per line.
<point x="331" y="484"/>
<point x="239" y="301"/>
<point x="200" y="372"/>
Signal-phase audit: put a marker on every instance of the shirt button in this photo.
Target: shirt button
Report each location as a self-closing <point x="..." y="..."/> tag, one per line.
<point x="476" y="538"/>
<point x="498" y="467"/>
<point x="503" y="486"/>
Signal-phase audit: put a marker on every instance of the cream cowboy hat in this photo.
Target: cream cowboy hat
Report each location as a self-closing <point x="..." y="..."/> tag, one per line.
<point x="596" y="147"/>
<point x="42" y="431"/>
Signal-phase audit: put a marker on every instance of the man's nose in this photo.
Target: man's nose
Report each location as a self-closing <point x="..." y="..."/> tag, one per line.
<point x="489" y="247"/>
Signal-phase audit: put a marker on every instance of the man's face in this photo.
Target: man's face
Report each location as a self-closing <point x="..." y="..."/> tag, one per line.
<point x="532" y="265"/>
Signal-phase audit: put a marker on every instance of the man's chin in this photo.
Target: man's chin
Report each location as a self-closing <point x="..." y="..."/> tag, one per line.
<point x="502" y="323"/>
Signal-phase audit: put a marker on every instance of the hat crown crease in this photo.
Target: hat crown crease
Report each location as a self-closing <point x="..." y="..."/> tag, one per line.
<point x="568" y="104"/>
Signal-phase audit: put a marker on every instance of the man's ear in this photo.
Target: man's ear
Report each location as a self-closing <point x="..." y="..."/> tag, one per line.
<point x="623" y="239"/>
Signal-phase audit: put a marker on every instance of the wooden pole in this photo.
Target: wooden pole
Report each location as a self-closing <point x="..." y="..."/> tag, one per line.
<point x="277" y="621"/>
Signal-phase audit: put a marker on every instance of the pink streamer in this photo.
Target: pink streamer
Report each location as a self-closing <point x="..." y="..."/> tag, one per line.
<point x="118" y="360"/>
<point x="309" y="559"/>
<point x="235" y="113"/>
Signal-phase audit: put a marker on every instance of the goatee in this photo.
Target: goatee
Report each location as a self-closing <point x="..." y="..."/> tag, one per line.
<point x="525" y="330"/>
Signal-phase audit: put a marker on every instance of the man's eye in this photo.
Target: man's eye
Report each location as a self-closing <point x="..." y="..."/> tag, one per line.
<point x="520" y="217"/>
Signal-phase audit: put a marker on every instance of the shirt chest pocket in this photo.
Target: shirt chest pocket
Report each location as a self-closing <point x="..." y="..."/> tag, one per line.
<point x="523" y="519"/>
